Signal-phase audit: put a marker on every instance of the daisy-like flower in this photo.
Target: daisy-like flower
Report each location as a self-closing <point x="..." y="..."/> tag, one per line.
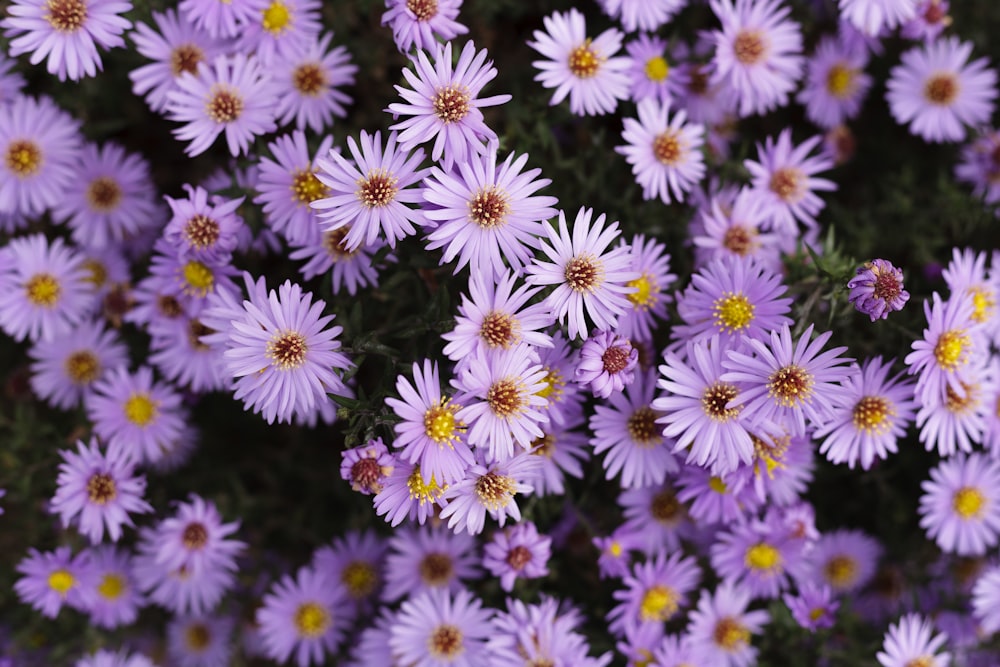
<point x="200" y="640"/>
<point x="652" y="71"/>
<point x="588" y="278"/>
<point x="231" y="95"/>
<point x="788" y="383"/>
<point x="406" y="494"/>
<point x="654" y="592"/>
<point x="116" y="600"/>
<point x="219" y="19"/>
<point x="836" y="83"/>
<point x="66" y="33"/>
<point x="929" y="22"/>
<point x="607" y="363"/>
<point x="732" y="298"/>
<point x="434" y="629"/>
<point x="563" y="397"/>
<point x="357" y="560"/>
<point x="655" y="517"/>
<point x="736" y="229"/>
<point x="762" y="556"/>
<point x="665" y="153"/>
<point x="40" y="145"/>
<point x="133" y="412"/>
<point x="515" y="552"/>
<point x="308" y="82"/>
<point x="423" y="559"/>
<point x="951" y="352"/>
<point x="288" y="185"/>
<point x="723" y="628"/>
<point x="937" y="91"/>
<point x="986" y="600"/>
<point x="646" y="15"/>
<point x="875" y="412"/>
<point x="814" y="607"/>
<point x="370" y="194"/>
<point x="44" y="291"/>
<point x="758" y="53"/>
<point x="366" y="467"/>
<point x="540" y="634"/>
<point x="65" y="369"/>
<point x="52" y="579"/>
<point x="494" y="317"/>
<point x="420" y="23"/>
<point x="98" y="490"/>
<point x="980" y="165"/>
<point x="349" y="270"/>
<point x="11" y="82"/>
<point x="444" y="105"/>
<point x="487" y="214"/>
<point x="502" y="405"/>
<point x="872" y="17"/>
<point x="877" y="289"/>
<point x="120" y="659"/>
<point x="175" y="47"/>
<point x="561" y="449"/>
<point x="203" y="231"/>
<point x="698" y="408"/>
<point x="626" y="432"/>
<point x="489" y="488"/>
<point x="966" y="275"/>
<point x="910" y="642"/>
<point x="784" y="179"/>
<point x="279" y="28"/>
<point x="431" y="433"/>
<point x="582" y="68"/>
<point x="303" y="617"/>
<point x="844" y="559"/>
<point x="960" y="507"/>
<point x="649" y="300"/>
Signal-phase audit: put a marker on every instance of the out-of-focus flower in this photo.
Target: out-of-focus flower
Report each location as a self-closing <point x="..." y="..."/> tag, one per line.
<point x="911" y="640"/>
<point x="420" y="23"/>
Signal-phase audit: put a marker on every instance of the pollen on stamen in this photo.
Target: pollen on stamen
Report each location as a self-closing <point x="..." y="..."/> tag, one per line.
<point x="584" y="62"/>
<point x="101" y="488"/>
<point x="950" y="349"/>
<point x="112" y="586"/>
<point x="440" y="423"/>
<point x="584" y="273"/>
<point x="141" y="409"/>
<point x="201" y="231"/>
<point x="198" y="278"/>
<point x="306" y="188"/>
<point x="787" y="183"/>
<point x="276" y="17"/>
<point x="377" y="189"/>
<point x="43" y="290"/>
<point x="495" y="490"/>
<point x="311" y="620"/>
<point x="451" y="104"/>
<point x="749" y="47"/>
<point x="871" y="414"/>
<point x="499" y="330"/>
<point x="83" y="367"/>
<point x="225" y="104"/>
<point x="641" y="426"/>
<point x="310" y="79"/>
<point x="657" y="69"/>
<point x="730" y="634"/>
<point x="790" y="385"/>
<point x="185" y="58"/>
<point x="615" y="359"/>
<point x="646" y="292"/>
<point x="424" y="491"/>
<point x="968" y="502"/>
<point x="287" y="350"/>
<point x="423" y="10"/>
<point x="740" y="240"/>
<point x="941" y="89"/>
<point x="506" y="397"/>
<point x="714" y="401"/>
<point x="733" y="312"/>
<point x="658" y="604"/>
<point x="667" y="148"/>
<point x="489" y="208"/>
<point x="66" y="15"/>
<point x="544" y="445"/>
<point x="445" y="642"/>
<point x="762" y="557"/>
<point x="840" y="80"/>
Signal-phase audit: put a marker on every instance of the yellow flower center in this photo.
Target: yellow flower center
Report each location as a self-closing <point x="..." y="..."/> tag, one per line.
<point x="584" y="61"/>
<point x="950" y="349"/>
<point x="140" y="409"/>
<point x="43" y="290"/>
<point x="790" y="385"/>
<point x="731" y="635"/>
<point x="197" y="637"/>
<point x="451" y="104"/>
<point x="645" y="294"/>
<point x="984" y="304"/>
<point x="841" y="571"/>
<point x="657" y="69"/>
<point x="495" y="490"/>
<point x="112" y="586"/>
<point x="424" y="491"/>
<point x="717" y="485"/>
<point x="733" y="312"/>
<point x="311" y="620"/>
<point x="198" y="278"/>
<point x="446" y="642"/>
<point x="23" y="158"/>
<point x="440" y="424"/>
<point x="840" y="80"/>
<point x="870" y="414"/>
<point x="83" y="367"/>
<point x="309" y="79"/>
<point x="658" y="604"/>
<point x="61" y="581"/>
<point x="360" y="578"/>
<point x="667" y="148"/>
<point x="968" y="502"/>
<point x="763" y="556"/>
<point x="276" y="17"/>
<point x="554" y="383"/>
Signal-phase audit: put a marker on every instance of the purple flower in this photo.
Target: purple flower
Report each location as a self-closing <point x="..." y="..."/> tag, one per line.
<point x="877" y="289"/>
<point x="587" y="277"/>
<point x="966" y="275"/>
<point x="910" y="641"/>
<point x="308" y="83"/>
<point x="406" y="494"/>
<point x="288" y="185"/>
<point x="489" y="488"/>
<point x="736" y="229"/>
<point x="66" y="33"/>
<point x="303" y="616"/>
<point x="444" y="105"/>
<point x="665" y="153"/>
<point x="713" y="499"/>
<point x="723" y="628"/>
<point x="980" y="165"/>
<point x="225" y="19"/>
<point x="51" y="579"/>
<point x="607" y="363"/>
<point x="930" y="21"/>
<point x="424" y="559"/>
<point x="349" y="270"/>
<point x="762" y="556"/>
<point x="486" y="215"/>
<point x="561" y="449"/>
<point x="844" y="559"/>
<point x="367" y="466"/>
<point x="652" y="70"/>
<point x="116" y="599"/>
<point x="654" y="592"/>
<point x="203" y="231"/>
<point x="518" y="551"/>
<point x="937" y="91"/>
<point x="678" y="651"/>
<point x="434" y="629"/>
<point x="199" y="640"/>
<point x="872" y="17"/>
<point x="120" y="659"/>
<point x="585" y="69"/>
<point x="11" y="82"/>
<point x="279" y="28"/>
<point x="421" y="22"/>
<point x="65" y="369"/>
<point x="986" y="600"/>
<point x="814" y="608"/>
<point x="98" y="490"/>
<point x="649" y="300"/>
<point x="370" y="194"/>
<point x="655" y="516"/>
<point x="646" y="15"/>
<point x="540" y="634"/>
<point x="357" y="561"/>
<point x="960" y="506"/>
<point x="232" y="95"/>
<point x="836" y="83"/>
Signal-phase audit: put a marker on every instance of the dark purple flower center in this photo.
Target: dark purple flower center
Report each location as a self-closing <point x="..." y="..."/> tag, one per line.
<point x="887" y="286"/>
<point x="377" y="189"/>
<point x="489" y="208"/>
<point x="309" y="79"/>
<point x="451" y="104"/>
<point x="505" y="397"/>
<point x="169" y="306"/>
<point x="365" y="474"/>
<point x="583" y="273"/>
<point x="195" y="331"/>
<point x="436" y="569"/>
<point x="498" y="330"/>
<point x="197" y="637"/>
<point x="730" y="634"/>
<point x="495" y="490"/>
<point x="697" y="80"/>
<point x="616" y="358"/>
<point x="641" y="426"/>
<point x="101" y="488"/>
<point x="360" y="578"/>
<point x="66" y="15"/>
<point x="226" y="104"/>
<point x="446" y="641"/>
<point x="518" y="557"/>
<point x="185" y="58"/>
<point x="423" y="10"/>
<point x="104" y="194"/>
<point x="334" y="244"/>
<point x="790" y="385"/>
<point x="941" y="89"/>
<point x="665" y="507"/>
<point x="715" y="399"/>
<point x="287" y="350"/>
<point x="738" y="240"/>
<point x="201" y="231"/>
<point x="195" y="536"/>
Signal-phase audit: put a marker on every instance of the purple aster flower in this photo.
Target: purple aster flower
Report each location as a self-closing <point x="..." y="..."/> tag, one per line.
<point x="231" y="95"/>
<point x="421" y="23"/>
<point x="626" y="432"/>
<point x="199" y="640"/>
<point x="133" y="412"/>
<point x="370" y="194"/>
<point x="929" y="22"/>
<point x="489" y="489"/>
<point x="873" y="17"/>
<point x="706" y="101"/>
<point x="784" y="179"/>
<point x="431" y="432"/>
<point x="561" y="449"/>
<point x="874" y="413"/>
<point x="937" y="91"/>
<point x="587" y="277"/>
<point x="486" y="215"/>
<point x="678" y="651"/>
<point x="960" y="506"/>
<point x="655" y="516"/>
<point x="654" y="592"/>
<point x="585" y="69"/>
<point x="44" y="292"/>
<point x="444" y="105"/>
<point x="652" y="71"/>
<point x="607" y="363"/>
<point x="844" y="559"/>
<point x="649" y="300"/>
<point x="175" y="47"/>
<point x="986" y="600"/>
<point x="494" y="316"/>
<point x="279" y="27"/>
<point x="288" y="185"/>
<point x="225" y="19"/>
<point x="11" y="82"/>
<point x="540" y="634"/>
<point x="434" y="629"/>
<point x="758" y="53"/>
<point x="502" y="405"/>
<point x="116" y="600"/>
<point x="877" y="289"/>
<point x="357" y="561"/>
<point x="98" y="490"/>
<point x="203" y="231"/>
<point x="518" y="551"/>
<point x="40" y="143"/>
<point x="303" y="616"/>
<point x="814" y="607"/>
<point x="424" y="559"/>
<point x="732" y="298"/>
<point x="761" y="556"/>
<point x="65" y="369"/>
<point x="836" y="83"/>
<point x="616" y="552"/>
<point x="910" y="642"/>
<point x="66" y="33"/>
<point x="51" y="579"/>
<point x="665" y="153"/>
<point x="367" y="466"/>
<point x="179" y="353"/>
<point x="647" y="15"/>
<point x="980" y="165"/>
<point x="782" y="468"/>
<point x="406" y="494"/>
<point x="349" y="270"/>
<point x="951" y="352"/>
<point x="736" y="229"/>
<point x="120" y="659"/>
<point x="113" y="200"/>
<point x="713" y="499"/>
<point x="723" y="628"/>
<point x="283" y="354"/>
<point x="966" y="274"/>
<point x="563" y="398"/>
<point x="788" y="383"/>
<point x="308" y="82"/>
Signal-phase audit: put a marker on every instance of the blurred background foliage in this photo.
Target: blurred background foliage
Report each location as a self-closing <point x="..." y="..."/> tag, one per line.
<point x="896" y="198"/>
